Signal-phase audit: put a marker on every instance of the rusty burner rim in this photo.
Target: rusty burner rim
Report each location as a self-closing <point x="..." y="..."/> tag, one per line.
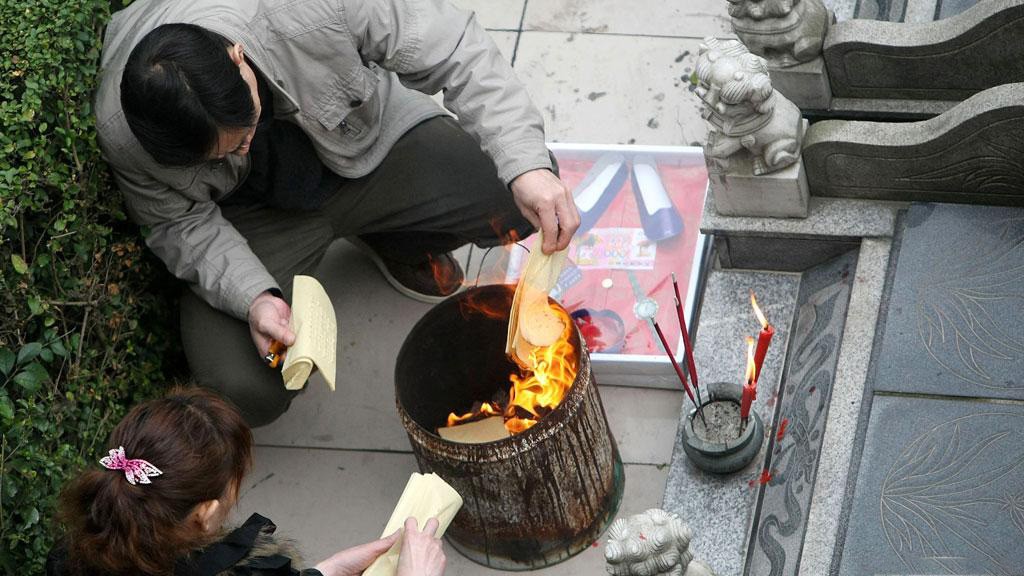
<point x="545" y="428"/>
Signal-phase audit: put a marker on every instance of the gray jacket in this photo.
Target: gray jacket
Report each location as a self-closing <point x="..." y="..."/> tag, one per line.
<point x="353" y="74"/>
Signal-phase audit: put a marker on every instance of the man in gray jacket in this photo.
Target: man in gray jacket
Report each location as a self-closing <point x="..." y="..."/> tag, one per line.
<point x="247" y="135"/>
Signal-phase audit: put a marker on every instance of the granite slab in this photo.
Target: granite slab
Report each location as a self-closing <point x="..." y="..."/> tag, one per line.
<point x="848" y="394"/>
<point x="948" y="59"/>
<point x="940" y="489"/>
<point x="957" y="304"/>
<point x="799" y="425"/>
<point x="720" y="509"/>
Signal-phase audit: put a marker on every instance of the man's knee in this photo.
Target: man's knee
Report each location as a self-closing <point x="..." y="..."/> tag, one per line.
<point x="223" y="358"/>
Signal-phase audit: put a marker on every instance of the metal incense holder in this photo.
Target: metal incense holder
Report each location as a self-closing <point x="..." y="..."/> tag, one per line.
<point x="731" y="455"/>
<point x="533" y="499"/>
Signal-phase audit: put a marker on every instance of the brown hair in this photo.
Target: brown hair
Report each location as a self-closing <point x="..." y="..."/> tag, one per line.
<point x="203" y="447"/>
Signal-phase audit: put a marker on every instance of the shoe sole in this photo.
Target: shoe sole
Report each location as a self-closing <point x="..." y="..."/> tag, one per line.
<point x="401" y="288"/>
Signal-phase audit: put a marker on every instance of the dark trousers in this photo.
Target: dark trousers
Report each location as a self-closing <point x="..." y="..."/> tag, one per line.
<point x="435" y="191"/>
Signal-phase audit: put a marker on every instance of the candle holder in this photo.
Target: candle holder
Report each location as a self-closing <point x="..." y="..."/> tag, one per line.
<point x="722" y="445"/>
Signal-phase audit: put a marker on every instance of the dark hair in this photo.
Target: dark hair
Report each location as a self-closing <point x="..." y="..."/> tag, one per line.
<point x="203" y="447"/>
<point x="179" y="88"/>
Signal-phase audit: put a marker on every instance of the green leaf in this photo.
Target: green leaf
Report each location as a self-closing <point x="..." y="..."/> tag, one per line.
<point x="59" y="349"/>
<point x="29" y="352"/>
<point x="6" y="361"/>
<point x="32" y="377"/>
<point x="19" y="264"/>
<point x="6" y="409"/>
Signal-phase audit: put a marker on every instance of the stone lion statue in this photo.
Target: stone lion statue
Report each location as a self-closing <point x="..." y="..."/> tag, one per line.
<point x="786" y="32"/>
<point x="654" y="543"/>
<point x="743" y="110"/>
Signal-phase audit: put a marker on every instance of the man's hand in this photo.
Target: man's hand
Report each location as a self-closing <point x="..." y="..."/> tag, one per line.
<point x="353" y="561"/>
<point x="422" y="554"/>
<point x="548" y="205"/>
<point x="268" y="319"/>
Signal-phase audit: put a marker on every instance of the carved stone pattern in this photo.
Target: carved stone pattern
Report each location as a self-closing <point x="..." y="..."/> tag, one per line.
<point x="880" y="64"/>
<point x="976" y="162"/>
<point x="814" y="352"/>
<point x="964" y="314"/>
<point x="953" y="487"/>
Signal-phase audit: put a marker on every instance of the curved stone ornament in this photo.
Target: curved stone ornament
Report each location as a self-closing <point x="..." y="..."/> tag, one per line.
<point x="970" y="154"/>
<point x="948" y="60"/>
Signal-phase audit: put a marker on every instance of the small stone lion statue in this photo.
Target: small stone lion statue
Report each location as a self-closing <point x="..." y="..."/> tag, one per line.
<point x="785" y="32"/>
<point x="654" y="543"/>
<point x="743" y="110"/>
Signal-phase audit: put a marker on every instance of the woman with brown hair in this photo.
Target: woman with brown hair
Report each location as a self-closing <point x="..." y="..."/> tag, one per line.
<point x="158" y="504"/>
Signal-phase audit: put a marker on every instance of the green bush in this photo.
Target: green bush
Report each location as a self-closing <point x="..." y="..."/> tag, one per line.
<point x="83" y="331"/>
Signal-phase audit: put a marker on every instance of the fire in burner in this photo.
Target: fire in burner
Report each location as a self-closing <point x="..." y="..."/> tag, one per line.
<point x="534" y="391"/>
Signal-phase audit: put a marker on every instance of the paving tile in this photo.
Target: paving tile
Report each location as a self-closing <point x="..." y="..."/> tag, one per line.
<point x="327" y="500"/>
<point x="720" y="509"/>
<point x="691" y="19"/>
<point x="643" y="422"/>
<point x="813" y="353"/>
<point x="642" y="492"/>
<point x="940" y="489"/>
<point x="495" y="14"/>
<point x="373" y="321"/>
<point x="955" y="313"/>
<point x="612" y="89"/>
<point x="506" y="42"/>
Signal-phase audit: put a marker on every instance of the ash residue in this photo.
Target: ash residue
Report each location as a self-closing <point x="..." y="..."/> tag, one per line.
<point x="723" y="422"/>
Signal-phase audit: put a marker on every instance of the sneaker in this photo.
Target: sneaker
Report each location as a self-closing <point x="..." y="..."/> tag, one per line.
<point x="434" y="279"/>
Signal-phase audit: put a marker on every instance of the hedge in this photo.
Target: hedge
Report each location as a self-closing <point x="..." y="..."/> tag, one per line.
<point x="85" y="326"/>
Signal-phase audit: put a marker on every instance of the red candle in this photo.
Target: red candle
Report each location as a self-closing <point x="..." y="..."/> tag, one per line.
<point x="750" y="384"/>
<point x="763" y="339"/>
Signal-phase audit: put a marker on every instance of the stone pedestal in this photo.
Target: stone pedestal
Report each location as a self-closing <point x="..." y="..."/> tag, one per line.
<point x="782" y="194"/>
<point x="806" y="84"/>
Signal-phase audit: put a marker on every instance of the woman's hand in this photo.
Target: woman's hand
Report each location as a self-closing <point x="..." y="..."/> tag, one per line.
<point x="422" y="554"/>
<point x="352" y="561"/>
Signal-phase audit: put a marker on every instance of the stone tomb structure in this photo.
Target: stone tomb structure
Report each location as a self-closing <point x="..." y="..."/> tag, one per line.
<point x="886" y="68"/>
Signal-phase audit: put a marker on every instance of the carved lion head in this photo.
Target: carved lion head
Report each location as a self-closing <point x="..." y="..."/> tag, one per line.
<point x="733" y="83"/>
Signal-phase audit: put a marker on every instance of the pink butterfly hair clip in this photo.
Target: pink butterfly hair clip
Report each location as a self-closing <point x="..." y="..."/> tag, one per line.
<point x="134" y="470"/>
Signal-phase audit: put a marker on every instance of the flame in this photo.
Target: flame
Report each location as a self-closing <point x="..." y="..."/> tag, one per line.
<point x="537" y="391"/>
<point x="757" y="311"/>
<point x="751" y="368"/>
<point x="485" y="409"/>
<point x="447" y="278"/>
<point x="476" y="304"/>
